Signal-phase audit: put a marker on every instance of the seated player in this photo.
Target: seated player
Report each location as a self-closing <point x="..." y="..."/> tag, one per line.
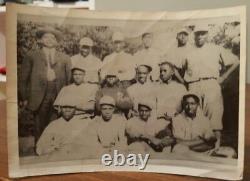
<point x="169" y="93"/>
<point x="143" y="88"/>
<point x="59" y="136"/>
<point x="113" y="88"/>
<point x="143" y="131"/>
<point x="191" y="128"/>
<point x="83" y="93"/>
<point x="109" y="127"/>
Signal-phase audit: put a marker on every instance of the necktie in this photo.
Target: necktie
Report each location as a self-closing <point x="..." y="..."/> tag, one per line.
<point x="51" y="73"/>
<point x="50" y="57"/>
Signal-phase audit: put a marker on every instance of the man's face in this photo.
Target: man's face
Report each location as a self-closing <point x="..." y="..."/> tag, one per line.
<point x="144" y="113"/>
<point x="200" y="38"/>
<point x="49" y="40"/>
<point x="107" y="112"/>
<point x="142" y="74"/>
<point x="147" y="40"/>
<point x="85" y="50"/>
<point x="78" y="76"/>
<point x="68" y="112"/>
<point x="111" y="80"/>
<point x="118" y="46"/>
<point x="166" y="72"/>
<point x="190" y="107"/>
<point x="182" y="39"/>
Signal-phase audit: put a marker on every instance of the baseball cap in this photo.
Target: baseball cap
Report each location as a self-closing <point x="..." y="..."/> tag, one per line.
<point x="107" y="100"/>
<point x="86" y="41"/>
<point x="118" y="36"/>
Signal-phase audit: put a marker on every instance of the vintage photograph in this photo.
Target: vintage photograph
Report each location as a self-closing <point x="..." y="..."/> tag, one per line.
<point x="168" y="88"/>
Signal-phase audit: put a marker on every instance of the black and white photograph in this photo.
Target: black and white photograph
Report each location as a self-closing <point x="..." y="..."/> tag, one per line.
<point x="153" y="88"/>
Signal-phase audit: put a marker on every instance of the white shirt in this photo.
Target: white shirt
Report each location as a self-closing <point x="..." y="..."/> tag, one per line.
<point x="111" y="134"/>
<point x="122" y="63"/>
<point x="150" y="57"/>
<point x="50" y="56"/>
<point x="169" y="97"/>
<point x="186" y="128"/>
<point x="137" y="127"/>
<point x="206" y="62"/>
<point x="91" y="64"/>
<point x="139" y="92"/>
<point x="81" y="94"/>
<point x="59" y="134"/>
<point x="178" y="55"/>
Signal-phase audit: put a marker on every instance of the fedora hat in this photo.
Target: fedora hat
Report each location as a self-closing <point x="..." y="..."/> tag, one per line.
<point x="47" y="29"/>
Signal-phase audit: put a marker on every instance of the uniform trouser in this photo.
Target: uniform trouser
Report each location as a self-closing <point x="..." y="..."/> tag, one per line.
<point x="46" y="112"/>
<point x="209" y="92"/>
<point x="139" y="148"/>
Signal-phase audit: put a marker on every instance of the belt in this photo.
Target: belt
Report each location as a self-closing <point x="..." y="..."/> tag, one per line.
<point x="203" y="78"/>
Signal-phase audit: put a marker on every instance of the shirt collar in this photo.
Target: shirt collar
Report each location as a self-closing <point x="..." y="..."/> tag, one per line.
<point x="48" y="51"/>
<point x="198" y="115"/>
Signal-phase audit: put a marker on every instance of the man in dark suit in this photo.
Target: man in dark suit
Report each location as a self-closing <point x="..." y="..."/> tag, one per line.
<point x="42" y="75"/>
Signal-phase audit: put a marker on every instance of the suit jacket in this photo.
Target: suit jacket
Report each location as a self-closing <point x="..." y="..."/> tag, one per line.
<point x="33" y="76"/>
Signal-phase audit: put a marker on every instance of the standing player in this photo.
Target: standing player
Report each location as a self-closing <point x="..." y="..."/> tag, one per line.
<point x="149" y="56"/>
<point x="119" y="61"/>
<point x="86" y="59"/>
<point x="203" y="76"/>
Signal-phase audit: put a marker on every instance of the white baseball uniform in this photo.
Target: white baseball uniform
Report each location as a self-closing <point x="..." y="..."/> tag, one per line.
<point x="139" y="92"/>
<point x="91" y="65"/>
<point x="83" y="95"/>
<point x="122" y="63"/>
<point x="205" y="63"/>
<point x="60" y="134"/>
<point x="150" y="57"/>
<point x="169" y="97"/>
<point x="111" y="134"/>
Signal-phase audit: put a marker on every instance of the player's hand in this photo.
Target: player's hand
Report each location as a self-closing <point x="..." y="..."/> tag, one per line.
<point x="23" y="104"/>
<point x="167" y="141"/>
<point x="217" y="145"/>
<point x="155" y="141"/>
<point x="120" y="96"/>
<point x="167" y="117"/>
<point x="130" y="113"/>
<point x="221" y="80"/>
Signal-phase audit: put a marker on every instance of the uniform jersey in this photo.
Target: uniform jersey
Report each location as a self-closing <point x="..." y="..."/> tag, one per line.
<point x="139" y="92"/>
<point x="150" y="57"/>
<point x="122" y="63"/>
<point x="137" y="127"/>
<point x="91" y="64"/>
<point x="83" y="95"/>
<point x="178" y="55"/>
<point x="120" y="95"/>
<point x="186" y="128"/>
<point x="211" y="58"/>
<point x="169" y="97"/>
<point x="111" y="134"/>
<point x="59" y="134"/>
